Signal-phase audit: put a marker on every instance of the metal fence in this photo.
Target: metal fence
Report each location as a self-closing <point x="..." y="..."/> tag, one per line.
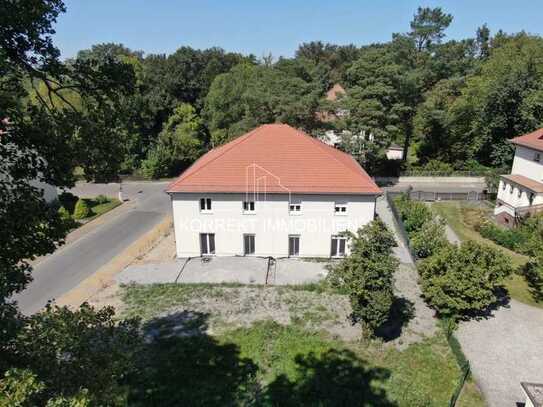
<point x="429" y="196"/>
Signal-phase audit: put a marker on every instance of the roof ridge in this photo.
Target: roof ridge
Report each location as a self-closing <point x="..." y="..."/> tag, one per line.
<point x="327" y="149"/>
<point x="233" y="143"/>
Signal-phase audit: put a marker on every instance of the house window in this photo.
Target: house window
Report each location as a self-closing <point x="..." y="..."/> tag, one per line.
<point x="537" y="157"/>
<point x="338" y="246"/>
<point x="248" y="244"/>
<point x="519" y="192"/>
<point x="504" y="185"/>
<point x="340" y="209"/>
<point x="295" y="207"/>
<point x="207" y="244"/>
<point x="293" y="245"/>
<point x="205" y="204"/>
<point x="248" y="206"/>
<point x="531" y="198"/>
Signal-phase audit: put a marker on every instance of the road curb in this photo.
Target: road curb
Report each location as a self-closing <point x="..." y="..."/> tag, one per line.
<point x="104" y="276"/>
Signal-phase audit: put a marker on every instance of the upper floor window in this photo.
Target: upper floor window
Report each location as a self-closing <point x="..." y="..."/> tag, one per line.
<point x="295" y="207"/>
<point x="537" y="157"/>
<point x="340" y="208"/>
<point x="248" y="206"/>
<point x="205" y="204"/>
<point x="519" y="192"/>
<point x="531" y="198"/>
<point x="504" y="186"/>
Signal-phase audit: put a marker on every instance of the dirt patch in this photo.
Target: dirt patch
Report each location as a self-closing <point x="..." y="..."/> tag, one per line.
<point x="164" y="250"/>
<point x="232" y="307"/>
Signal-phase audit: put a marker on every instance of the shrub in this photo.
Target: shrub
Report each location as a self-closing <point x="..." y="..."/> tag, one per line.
<point x="68" y="201"/>
<point x="367" y="275"/>
<point x="157" y="164"/>
<point x="82" y="209"/>
<point x="463" y="281"/>
<point x="101" y="199"/>
<point x="533" y="271"/>
<point x="429" y="239"/>
<point x="509" y="238"/>
<point x="414" y="214"/>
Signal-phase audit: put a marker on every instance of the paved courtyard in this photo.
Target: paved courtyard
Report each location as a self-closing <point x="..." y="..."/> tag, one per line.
<point x="243" y="270"/>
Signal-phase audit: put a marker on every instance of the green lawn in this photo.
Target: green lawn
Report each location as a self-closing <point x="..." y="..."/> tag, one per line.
<point x="457" y="217"/>
<point x="267" y="363"/>
<point x="98" y="209"/>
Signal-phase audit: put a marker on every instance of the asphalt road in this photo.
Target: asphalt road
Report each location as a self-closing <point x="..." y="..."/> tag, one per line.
<point x="69" y="265"/>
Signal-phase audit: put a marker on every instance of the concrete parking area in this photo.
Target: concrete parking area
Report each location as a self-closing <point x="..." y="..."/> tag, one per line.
<point x="242" y="270"/>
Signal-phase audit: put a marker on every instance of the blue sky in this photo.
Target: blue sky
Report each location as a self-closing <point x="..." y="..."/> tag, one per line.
<point x="278" y="26"/>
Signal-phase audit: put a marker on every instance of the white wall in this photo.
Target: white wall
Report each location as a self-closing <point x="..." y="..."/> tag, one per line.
<point x="524" y="164"/>
<point x="510" y="195"/>
<point x="271" y="223"/>
<point x="394" y="154"/>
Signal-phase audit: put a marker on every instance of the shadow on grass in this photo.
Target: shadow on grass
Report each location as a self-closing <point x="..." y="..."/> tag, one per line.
<point x="182" y="365"/>
<point x="401" y="312"/>
<point x="335" y="378"/>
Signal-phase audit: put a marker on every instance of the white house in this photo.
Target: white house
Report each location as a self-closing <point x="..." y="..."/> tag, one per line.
<point x="521" y="192"/>
<point x="274" y="191"/>
<point x="394" y="152"/>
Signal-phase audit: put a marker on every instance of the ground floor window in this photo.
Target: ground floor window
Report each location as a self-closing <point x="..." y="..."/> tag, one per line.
<point x="294" y="245"/>
<point x="248" y="244"/>
<point x="338" y="246"/>
<point x="207" y="243"/>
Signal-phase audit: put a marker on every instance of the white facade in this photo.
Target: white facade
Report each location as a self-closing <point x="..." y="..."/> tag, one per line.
<point x="527" y="163"/>
<point x="512" y="195"/>
<point x="394" y="153"/>
<point x="319" y="218"/>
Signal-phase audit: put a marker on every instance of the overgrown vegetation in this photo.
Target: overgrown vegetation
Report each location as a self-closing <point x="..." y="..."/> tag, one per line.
<point x="466" y="219"/>
<point x="457" y="281"/>
<point x="367" y="275"/>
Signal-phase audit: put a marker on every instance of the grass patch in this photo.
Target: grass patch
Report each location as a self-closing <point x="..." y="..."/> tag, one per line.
<point x="98" y="208"/>
<point x="461" y="217"/>
<point x="270" y="364"/>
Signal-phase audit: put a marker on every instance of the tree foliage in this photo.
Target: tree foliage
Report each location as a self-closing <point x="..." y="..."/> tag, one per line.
<point x="367" y="274"/>
<point x="462" y="281"/>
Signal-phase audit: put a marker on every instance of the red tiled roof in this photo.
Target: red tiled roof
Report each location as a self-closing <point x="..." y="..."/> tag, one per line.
<point x="276" y="158"/>
<point x="532" y="140"/>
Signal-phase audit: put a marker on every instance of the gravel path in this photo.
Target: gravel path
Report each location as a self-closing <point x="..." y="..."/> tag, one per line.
<point x="406" y="285"/>
<point x="504" y="350"/>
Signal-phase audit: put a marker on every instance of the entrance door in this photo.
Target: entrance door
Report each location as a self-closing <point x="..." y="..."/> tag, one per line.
<point x="207" y="244"/>
<point x="294" y="246"/>
<point x="338" y="246"/>
<point x="248" y="244"/>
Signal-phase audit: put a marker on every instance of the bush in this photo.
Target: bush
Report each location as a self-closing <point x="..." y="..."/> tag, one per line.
<point x="101" y="199"/>
<point x="414" y="214"/>
<point x="533" y="271"/>
<point x="509" y="238"/>
<point x="463" y="281"/>
<point x="367" y="275"/>
<point x="82" y="209"/>
<point x="429" y="239"/>
<point x="68" y="201"/>
<point x="157" y="164"/>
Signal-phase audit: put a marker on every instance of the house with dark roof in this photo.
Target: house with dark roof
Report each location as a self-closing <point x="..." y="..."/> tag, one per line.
<point x="521" y="192"/>
<point x="274" y="191"/>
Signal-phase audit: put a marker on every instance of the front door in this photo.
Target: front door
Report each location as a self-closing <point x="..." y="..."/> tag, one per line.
<point x="248" y="244"/>
<point x="207" y="244"/>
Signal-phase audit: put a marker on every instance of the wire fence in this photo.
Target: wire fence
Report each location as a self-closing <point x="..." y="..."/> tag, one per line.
<point x="432" y="196"/>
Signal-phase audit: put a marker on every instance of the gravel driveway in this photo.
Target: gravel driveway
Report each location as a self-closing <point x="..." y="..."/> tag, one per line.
<point x="504" y="350"/>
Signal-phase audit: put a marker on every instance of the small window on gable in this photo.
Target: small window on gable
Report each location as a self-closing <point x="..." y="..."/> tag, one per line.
<point x="340" y="208"/>
<point x="537" y="157"/>
<point x="295" y="207"/>
<point x="519" y="192"/>
<point x="248" y="206"/>
<point x="504" y="186"/>
<point x="205" y="204"/>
